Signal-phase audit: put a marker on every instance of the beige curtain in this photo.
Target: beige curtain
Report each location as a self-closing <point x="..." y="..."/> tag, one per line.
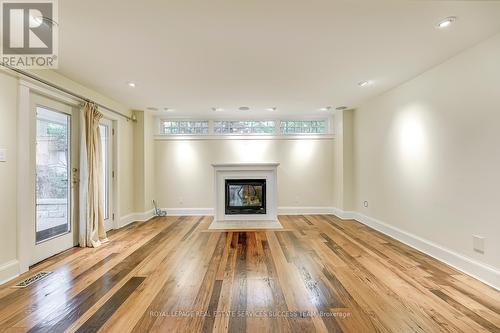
<point x="92" y="232"/>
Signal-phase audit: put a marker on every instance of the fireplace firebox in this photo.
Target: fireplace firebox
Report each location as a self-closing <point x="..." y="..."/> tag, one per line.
<point x="245" y="196"/>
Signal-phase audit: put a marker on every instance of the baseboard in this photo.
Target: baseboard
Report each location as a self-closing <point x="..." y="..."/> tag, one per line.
<point x="306" y="210"/>
<point x="344" y="215"/>
<point x="189" y="211"/>
<point x="482" y="272"/>
<point x="136" y="217"/>
<point x="9" y="271"/>
<point x="281" y="211"/>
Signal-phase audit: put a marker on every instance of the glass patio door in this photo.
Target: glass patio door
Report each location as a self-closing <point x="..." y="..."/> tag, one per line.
<point x="56" y="184"/>
<point x="106" y="129"/>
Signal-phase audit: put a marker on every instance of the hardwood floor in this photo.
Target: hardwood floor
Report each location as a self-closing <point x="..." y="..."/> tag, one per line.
<point x="318" y="274"/>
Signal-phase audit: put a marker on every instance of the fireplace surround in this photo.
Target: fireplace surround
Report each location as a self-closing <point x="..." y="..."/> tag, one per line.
<point x="246" y="195"/>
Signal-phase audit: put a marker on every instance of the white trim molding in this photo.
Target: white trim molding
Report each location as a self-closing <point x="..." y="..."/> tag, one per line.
<point x="480" y="271"/>
<point x="135" y="217"/>
<point x="281" y="211"/>
<point x="25" y="195"/>
<point x="344" y="215"/>
<point x="9" y="271"/>
<point x="244" y="137"/>
<point x="306" y="210"/>
<point x="275" y="135"/>
<point x="189" y="211"/>
<point x="25" y="165"/>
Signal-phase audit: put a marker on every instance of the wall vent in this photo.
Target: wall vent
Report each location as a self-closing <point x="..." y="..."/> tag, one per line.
<point x="32" y="279"/>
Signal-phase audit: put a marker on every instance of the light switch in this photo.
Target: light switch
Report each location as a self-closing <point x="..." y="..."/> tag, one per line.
<point x="3" y="155"/>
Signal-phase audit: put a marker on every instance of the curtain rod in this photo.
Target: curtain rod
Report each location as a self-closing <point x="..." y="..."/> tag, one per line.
<point x="66" y="91"/>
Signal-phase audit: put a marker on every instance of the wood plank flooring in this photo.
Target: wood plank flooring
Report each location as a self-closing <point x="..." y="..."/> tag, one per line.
<point x="318" y="274"/>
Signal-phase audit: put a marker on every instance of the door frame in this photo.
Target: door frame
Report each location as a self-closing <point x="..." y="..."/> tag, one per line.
<point x="25" y="179"/>
<point x="57" y="244"/>
<point x="110" y="223"/>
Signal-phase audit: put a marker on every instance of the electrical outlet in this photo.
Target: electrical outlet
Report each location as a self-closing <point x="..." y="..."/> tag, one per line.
<point x="478" y="243"/>
<point x="297" y="199"/>
<point x="3" y="155"/>
<point x="181" y="201"/>
<point x="365" y="204"/>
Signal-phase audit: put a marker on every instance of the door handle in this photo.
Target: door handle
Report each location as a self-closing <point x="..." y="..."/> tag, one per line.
<point x="75" y="176"/>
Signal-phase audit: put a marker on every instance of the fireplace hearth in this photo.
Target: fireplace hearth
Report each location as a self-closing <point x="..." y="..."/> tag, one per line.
<point x="245" y="196"/>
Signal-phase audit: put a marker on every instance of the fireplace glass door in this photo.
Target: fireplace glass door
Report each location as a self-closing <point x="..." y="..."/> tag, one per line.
<point x="245" y="196"/>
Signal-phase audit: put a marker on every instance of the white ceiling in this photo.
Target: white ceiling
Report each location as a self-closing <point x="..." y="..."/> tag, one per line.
<point x="295" y="55"/>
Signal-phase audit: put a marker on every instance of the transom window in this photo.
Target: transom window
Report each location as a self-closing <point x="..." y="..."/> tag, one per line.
<point x="184" y="127"/>
<point x="303" y="127"/>
<point x="245" y="127"/>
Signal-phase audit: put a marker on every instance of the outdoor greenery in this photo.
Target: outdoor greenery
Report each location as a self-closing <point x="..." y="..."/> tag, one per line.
<point x="52" y="160"/>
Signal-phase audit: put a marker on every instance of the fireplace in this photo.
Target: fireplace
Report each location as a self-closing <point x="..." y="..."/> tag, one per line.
<point x="245" y="196"/>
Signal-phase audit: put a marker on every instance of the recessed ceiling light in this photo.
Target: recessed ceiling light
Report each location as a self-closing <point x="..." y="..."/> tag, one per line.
<point x="151" y="108"/>
<point x="446" y="22"/>
<point x="326" y="108"/>
<point x="341" y="108"/>
<point x="243" y="108"/>
<point x="217" y="109"/>
<point x="168" y="109"/>
<point x="364" y="83"/>
<point x="131" y="84"/>
<point x="272" y="109"/>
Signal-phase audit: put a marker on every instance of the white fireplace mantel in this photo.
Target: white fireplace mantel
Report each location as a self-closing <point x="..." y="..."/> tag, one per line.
<point x="267" y="171"/>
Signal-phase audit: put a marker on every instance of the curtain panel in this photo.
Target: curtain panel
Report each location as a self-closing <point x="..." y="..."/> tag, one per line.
<point x="92" y="232"/>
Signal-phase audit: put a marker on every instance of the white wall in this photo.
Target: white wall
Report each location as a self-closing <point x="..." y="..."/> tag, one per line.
<point x="8" y="191"/>
<point x="184" y="174"/>
<point x="427" y="154"/>
<point x="343" y="160"/>
<point x="143" y="161"/>
<point x="149" y="159"/>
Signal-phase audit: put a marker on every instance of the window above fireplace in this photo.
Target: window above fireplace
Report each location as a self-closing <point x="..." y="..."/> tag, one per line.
<point x="169" y="127"/>
<point x="279" y="128"/>
<point x="245" y="127"/>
